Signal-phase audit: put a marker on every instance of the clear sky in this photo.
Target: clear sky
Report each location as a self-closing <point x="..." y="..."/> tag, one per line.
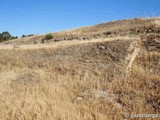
<point x="43" y="16"/>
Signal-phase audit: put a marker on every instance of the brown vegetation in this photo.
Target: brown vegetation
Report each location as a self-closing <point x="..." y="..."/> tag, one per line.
<point x="102" y="77"/>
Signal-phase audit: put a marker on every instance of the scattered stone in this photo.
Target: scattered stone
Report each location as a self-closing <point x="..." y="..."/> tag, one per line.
<point x="79" y="99"/>
<point x="154" y="102"/>
<point x="107" y="33"/>
<point x="102" y="47"/>
<point x="101" y="94"/>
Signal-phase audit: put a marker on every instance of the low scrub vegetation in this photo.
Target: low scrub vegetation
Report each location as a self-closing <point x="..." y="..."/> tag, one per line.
<point x="23" y="36"/>
<point x="48" y="36"/>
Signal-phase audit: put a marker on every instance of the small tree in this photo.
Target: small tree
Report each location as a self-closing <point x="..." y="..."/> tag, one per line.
<point x="6" y="35"/>
<point x="0" y="36"/>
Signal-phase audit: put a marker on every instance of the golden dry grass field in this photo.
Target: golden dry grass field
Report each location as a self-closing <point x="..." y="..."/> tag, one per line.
<point x="100" y="75"/>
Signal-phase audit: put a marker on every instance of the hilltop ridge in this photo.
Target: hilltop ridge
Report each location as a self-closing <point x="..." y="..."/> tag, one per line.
<point x="130" y="27"/>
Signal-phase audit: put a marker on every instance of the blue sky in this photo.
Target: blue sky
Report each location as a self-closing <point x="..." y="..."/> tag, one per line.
<point x="43" y="16"/>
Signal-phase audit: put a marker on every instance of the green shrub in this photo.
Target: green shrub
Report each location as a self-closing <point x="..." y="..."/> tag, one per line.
<point x="30" y="35"/>
<point x="48" y="36"/>
<point x="24" y="36"/>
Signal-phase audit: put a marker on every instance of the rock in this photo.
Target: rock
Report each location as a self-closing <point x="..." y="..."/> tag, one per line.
<point x="151" y="48"/>
<point x="79" y="100"/>
<point x="107" y="33"/>
<point x="102" y="47"/>
<point x="154" y="102"/>
<point x="101" y="94"/>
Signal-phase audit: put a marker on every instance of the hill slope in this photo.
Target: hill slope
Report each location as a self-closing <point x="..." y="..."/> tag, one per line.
<point x="131" y="27"/>
<point x="92" y="73"/>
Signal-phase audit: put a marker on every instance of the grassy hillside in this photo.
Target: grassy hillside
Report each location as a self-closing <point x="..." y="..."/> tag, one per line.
<point x="100" y="72"/>
<point x="129" y="27"/>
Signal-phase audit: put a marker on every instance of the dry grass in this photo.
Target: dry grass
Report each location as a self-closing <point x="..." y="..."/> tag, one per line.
<point x="70" y="82"/>
<point x="128" y="27"/>
<point x="95" y="79"/>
